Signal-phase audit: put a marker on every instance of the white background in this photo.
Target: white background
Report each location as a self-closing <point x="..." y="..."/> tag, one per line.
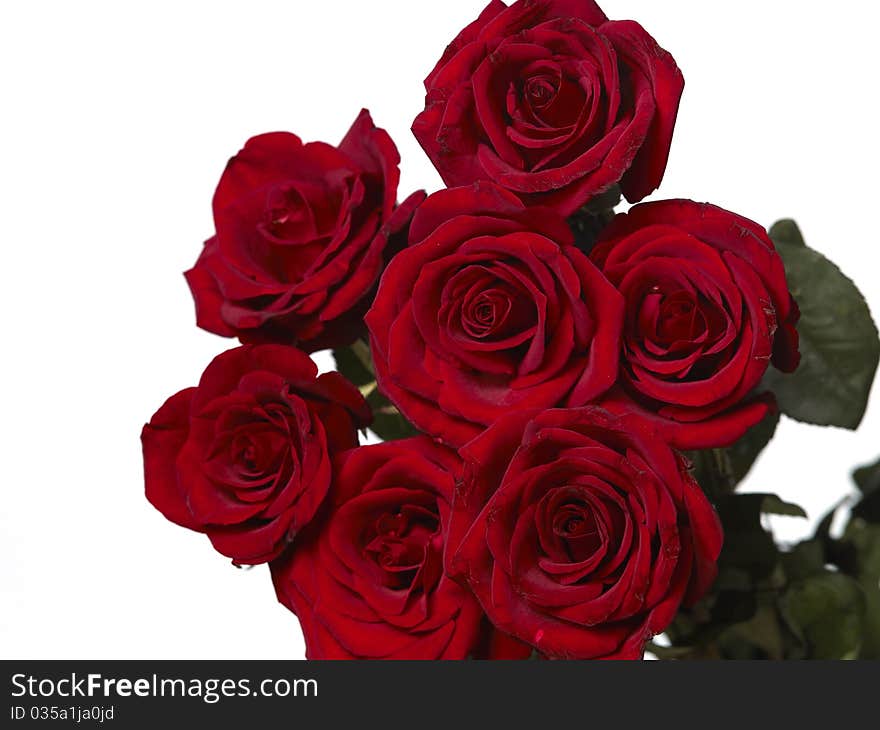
<point x="117" y="121"/>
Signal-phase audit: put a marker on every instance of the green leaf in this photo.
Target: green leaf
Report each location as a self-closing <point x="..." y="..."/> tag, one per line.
<point x="712" y="470"/>
<point x="719" y="471"/>
<point x="762" y="631"/>
<point x="745" y="452"/>
<point x="603" y="202"/>
<point x="588" y="222"/>
<point x="701" y="625"/>
<point x="868" y="508"/>
<point x="733" y="579"/>
<point x="804" y="559"/>
<point x="864" y="540"/>
<point x="826" y="612"/>
<point x="388" y="423"/>
<point x="787" y="231"/>
<point x="838" y="343"/>
<point x="668" y="652"/>
<point x="355" y="364"/>
<point x="748" y="547"/>
<point x="773" y="505"/>
<point x="868" y="480"/>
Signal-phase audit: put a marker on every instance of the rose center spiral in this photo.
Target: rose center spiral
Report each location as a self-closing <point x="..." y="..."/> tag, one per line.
<point x="541" y="90"/>
<point x="575" y="524"/>
<point x="287" y="213"/>
<point x="401" y="540"/>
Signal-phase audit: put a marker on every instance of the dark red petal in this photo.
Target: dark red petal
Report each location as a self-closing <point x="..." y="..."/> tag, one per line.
<point x="224" y="372"/>
<point x="206" y="293"/>
<point x="708" y="538"/>
<point x="467" y="35"/>
<point x="499" y="645"/>
<point x="472" y="200"/>
<point x="251" y="544"/>
<point x="586" y="10"/>
<point x="717" y="431"/>
<point x="640" y="50"/>
<point x="162" y="439"/>
<point x="373" y="150"/>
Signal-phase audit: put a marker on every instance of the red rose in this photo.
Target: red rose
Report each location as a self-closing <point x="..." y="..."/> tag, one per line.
<point x="491" y="308"/>
<point x="303" y="232"/>
<point x="370" y="583"/>
<point x="553" y="101"/>
<point x="245" y="456"/>
<point x="580" y="531"/>
<point x="707" y="309"/>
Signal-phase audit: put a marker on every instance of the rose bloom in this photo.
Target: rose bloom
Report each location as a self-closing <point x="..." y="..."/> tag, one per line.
<point x="369" y="584"/>
<point x="491" y="308"/>
<point x="580" y="531"/>
<point x="553" y="101"/>
<point x="303" y="233"/>
<point x="707" y="310"/>
<point x="245" y="456"/>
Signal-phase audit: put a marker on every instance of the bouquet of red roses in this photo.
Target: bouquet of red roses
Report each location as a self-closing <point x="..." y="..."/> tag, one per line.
<point x="567" y="397"/>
